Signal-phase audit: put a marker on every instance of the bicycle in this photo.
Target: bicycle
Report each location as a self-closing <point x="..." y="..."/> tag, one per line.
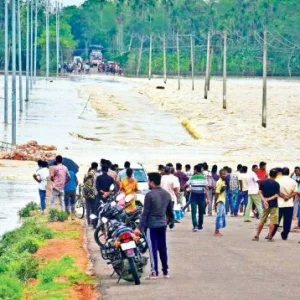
<point x="79" y="203"/>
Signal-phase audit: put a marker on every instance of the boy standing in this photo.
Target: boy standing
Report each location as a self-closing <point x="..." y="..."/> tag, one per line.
<point x="220" y="198"/>
<point x="269" y="192"/>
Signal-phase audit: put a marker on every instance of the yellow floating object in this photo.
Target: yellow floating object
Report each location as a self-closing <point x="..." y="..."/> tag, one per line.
<point x="190" y="129"/>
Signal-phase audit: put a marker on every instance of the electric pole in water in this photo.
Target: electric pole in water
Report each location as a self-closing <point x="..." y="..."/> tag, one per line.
<point x="47" y="39"/>
<point x="13" y="98"/>
<point x="35" y="41"/>
<point x="27" y="52"/>
<point x="265" y="69"/>
<point x="20" y="58"/>
<point x="57" y="36"/>
<point x="6" y="64"/>
<point x="31" y="43"/>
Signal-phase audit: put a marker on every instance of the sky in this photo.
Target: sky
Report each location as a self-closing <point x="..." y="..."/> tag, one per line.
<point x="71" y="2"/>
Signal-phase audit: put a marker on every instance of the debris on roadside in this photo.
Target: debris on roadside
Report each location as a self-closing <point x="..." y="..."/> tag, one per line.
<point x="31" y="151"/>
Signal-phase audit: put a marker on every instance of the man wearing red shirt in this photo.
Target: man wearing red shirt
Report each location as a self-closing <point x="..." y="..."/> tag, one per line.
<point x="262" y="172"/>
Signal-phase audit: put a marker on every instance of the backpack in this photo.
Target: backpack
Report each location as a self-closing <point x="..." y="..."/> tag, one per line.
<point x="88" y="190"/>
<point x="211" y="183"/>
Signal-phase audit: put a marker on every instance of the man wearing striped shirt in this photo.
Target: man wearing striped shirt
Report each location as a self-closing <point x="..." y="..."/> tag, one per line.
<point x="199" y="197"/>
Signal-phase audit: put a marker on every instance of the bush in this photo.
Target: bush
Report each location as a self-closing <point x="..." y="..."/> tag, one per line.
<point x="28" y="268"/>
<point x="56" y="215"/>
<point x="26" y="211"/>
<point x="29" y="244"/>
<point x="42" y="232"/>
<point x="10" y="288"/>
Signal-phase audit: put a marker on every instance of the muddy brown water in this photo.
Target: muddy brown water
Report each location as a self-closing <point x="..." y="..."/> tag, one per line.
<point x="58" y="111"/>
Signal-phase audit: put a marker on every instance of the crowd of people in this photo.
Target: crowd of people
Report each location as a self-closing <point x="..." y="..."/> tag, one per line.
<point x="173" y="191"/>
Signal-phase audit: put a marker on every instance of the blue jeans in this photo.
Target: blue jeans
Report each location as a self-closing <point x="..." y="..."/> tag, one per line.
<point x="228" y="203"/>
<point x="243" y="198"/>
<point x="43" y="199"/>
<point x="211" y="200"/>
<point x="298" y="213"/>
<point x="235" y="201"/>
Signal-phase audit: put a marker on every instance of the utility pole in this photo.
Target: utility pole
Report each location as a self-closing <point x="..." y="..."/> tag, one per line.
<point x="35" y="40"/>
<point x="47" y="39"/>
<point x="192" y="62"/>
<point x="211" y="52"/>
<point x="13" y="98"/>
<point x="265" y="69"/>
<point x="207" y="66"/>
<point x="140" y="57"/>
<point x="20" y="59"/>
<point x="225" y="70"/>
<point x="178" y="60"/>
<point x="165" y="58"/>
<point x="31" y="43"/>
<point x="57" y="37"/>
<point x="6" y="64"/>
<point x="27" y="52"/>
<point x="150" y="58"/>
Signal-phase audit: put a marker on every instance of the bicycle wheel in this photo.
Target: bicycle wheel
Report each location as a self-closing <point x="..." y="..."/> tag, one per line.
<point x="79" y="208"/>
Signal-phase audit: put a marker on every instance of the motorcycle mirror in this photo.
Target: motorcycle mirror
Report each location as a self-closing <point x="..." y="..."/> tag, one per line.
<point x="93" y="217"/>
<point x="128" y="198"/>
<point x="120" y="197"/>
<point x="104" y="220"/>
<point x="112" y="187"/>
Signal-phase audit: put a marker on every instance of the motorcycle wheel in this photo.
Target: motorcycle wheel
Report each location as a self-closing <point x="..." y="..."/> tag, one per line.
<point x="134" y="271"/>
<point x="99" y="236"/>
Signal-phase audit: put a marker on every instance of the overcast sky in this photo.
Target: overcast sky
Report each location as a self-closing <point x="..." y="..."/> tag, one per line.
<point x="71" y="2"/>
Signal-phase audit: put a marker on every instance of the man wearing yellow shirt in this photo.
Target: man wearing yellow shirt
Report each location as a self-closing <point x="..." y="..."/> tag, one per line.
<point x="220" y="198"/>
<point x="129" y="186"/>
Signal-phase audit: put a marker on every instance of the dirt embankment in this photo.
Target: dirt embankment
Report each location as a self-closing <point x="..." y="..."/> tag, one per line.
<point x="69" y="242"/>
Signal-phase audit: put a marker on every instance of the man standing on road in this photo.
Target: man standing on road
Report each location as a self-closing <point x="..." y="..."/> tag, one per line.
<point x="170" y="183"/>
<point x="183" y="179"/>
<point x="234" y="189"/>
<point x="243" y="194"/>
<point x="103" y="183"/>
<point x="288" y="190"/>
<point x="253" y="196"/>
<point x="199" y="197"/>
<point x="262" y="172"/>
<point x="156" y="214"/>
<point x="269" y="191"/>
<point x="220" y="203"/>
<point x="70" y="194"/>
<point x="60" y="177"/>
<point x="122" y="173"/>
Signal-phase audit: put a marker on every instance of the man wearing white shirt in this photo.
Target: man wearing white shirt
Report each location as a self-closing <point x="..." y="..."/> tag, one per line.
<point x="253" y="197"/>
<point x="288" y="190"/>
<point x="171" y="184"/>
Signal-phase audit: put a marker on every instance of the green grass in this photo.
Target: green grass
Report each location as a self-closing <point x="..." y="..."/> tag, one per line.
<point x="17" y="265"/>
<point x="68" y="234"/>
<point x="57" y="215"/>
<point x="56" y="276"/>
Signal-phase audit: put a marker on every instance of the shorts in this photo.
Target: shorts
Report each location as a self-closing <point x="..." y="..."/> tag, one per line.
<point x="273" y="212"/>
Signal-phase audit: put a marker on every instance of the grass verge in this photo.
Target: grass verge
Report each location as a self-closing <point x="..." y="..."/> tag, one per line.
<point x="42" y="260"/>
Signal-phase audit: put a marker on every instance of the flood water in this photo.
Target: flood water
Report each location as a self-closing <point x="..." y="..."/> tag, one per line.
<point x="58" y="111"/>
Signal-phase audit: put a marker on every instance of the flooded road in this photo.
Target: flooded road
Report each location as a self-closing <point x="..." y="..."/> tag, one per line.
<point x="123" y="123"/>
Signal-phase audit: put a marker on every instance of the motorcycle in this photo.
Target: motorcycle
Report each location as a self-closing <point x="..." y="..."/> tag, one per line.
<point x="129" y="264"/>
<point x="112" y="212"/>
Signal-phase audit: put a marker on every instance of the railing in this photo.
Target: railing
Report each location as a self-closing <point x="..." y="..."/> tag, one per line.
<point x="5" y="147"/>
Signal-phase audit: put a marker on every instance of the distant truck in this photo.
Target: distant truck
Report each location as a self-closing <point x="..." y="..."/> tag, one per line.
<point x="96" y="56"/>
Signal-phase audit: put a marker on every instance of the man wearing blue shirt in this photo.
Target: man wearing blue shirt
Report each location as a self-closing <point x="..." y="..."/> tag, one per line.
<point x="70" y="194"/>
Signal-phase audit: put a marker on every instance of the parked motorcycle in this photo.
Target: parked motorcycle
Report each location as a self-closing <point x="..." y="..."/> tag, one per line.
<point x="130" y="263"/>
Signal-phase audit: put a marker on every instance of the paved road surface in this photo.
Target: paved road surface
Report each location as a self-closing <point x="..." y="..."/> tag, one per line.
<point x="205" y="267"/>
